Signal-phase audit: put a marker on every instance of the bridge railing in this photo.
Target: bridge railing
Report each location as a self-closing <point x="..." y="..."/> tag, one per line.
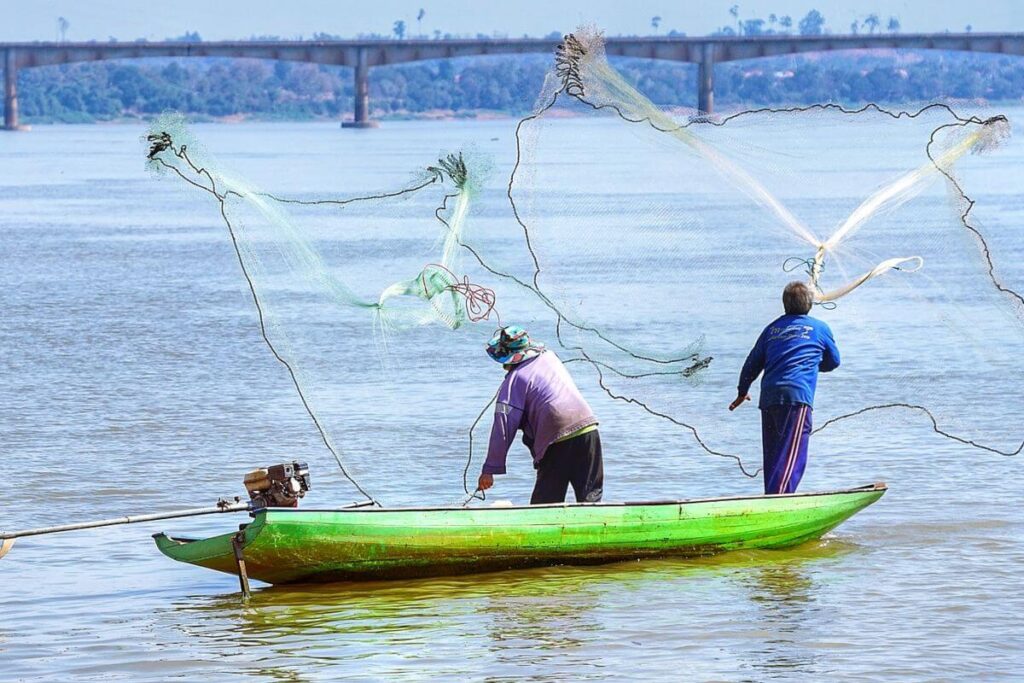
<point x="363" y="54"/>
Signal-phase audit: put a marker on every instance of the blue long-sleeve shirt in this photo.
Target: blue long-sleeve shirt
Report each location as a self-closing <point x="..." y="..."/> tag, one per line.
<point x="791" y="351"/>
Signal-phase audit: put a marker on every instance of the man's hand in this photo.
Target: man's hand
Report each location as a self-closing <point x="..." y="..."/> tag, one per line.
<point x="739" y="401"/>
<point x="485" y="482"/>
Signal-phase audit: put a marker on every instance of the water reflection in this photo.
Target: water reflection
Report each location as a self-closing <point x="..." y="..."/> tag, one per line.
<point x="546" y="618"/>
<point x="532" y="624"/>
<point x="784" y="595"/>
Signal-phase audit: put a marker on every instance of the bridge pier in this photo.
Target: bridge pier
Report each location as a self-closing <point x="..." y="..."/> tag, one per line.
<point x="362" y="94"/>
<point x="10" y="90"/>
<point x="706" y="79"/>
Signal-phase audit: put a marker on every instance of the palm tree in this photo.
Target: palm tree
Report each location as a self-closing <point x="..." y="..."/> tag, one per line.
<point x="894" y="25"/>
<point x="399" y="29"/>
<point x="853" y="27"/>
<point x="735" y="12"/>
<point x="772" y="20"/>
<point x="419" y="21"/>
<point x="655" y="23"/>
<point x="872" y="22"/>
<point x="786" y="22"/>
<point x="63" y="25"/>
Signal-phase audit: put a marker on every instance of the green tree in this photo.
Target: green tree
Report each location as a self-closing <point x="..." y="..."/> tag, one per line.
<point x="63" y="25"/>
<point x="894" y="25"/>
<point x="872" y="22"/>
<point x="187" y="37"/>
<point x="419" y="21"/>
<point x="813" y="24"/>
<point x="177" y="75"/>
<point x="79" y="93"/>
<point x="753" y="27"/>
<point x="655" y="23"/>
<point x="786" y="22"/>
<point x="399" y="29"/>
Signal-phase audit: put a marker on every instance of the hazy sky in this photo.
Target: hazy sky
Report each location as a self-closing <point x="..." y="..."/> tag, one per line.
<point x="221" y="19"/>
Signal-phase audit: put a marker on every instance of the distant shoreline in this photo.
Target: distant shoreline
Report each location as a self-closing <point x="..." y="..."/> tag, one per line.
<point x="492" y="115"/>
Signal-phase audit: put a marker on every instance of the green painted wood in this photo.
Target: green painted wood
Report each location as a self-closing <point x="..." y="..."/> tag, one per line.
<point x="290" y="545"/>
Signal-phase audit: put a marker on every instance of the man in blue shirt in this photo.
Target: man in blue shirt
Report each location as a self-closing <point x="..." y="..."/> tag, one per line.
<point x="791" y="351"/>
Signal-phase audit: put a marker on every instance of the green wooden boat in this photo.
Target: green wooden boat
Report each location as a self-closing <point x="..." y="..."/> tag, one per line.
<point x="287" y="545"/>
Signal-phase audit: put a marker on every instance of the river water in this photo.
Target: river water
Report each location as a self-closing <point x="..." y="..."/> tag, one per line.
<point x="134" y="380"/>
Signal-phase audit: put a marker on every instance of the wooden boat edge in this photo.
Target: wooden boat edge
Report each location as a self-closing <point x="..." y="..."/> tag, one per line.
<point x="868" y="488"/>
<point x="215" y="552"/>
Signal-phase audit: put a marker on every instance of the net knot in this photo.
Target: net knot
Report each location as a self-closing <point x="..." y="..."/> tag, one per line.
<point x="480" y="300"/>
<point x="794" y="262"/>
<point x="453" y="166"/>
<point x="567" y="64"/>
<point x="995" y="132"/>
<point x="158" y="142"/>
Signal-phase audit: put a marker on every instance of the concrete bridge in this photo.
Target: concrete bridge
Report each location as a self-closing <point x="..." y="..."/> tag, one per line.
<point x="363" y="54"/>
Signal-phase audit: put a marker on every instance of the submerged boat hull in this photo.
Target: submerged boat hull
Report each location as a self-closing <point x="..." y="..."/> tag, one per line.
<point x="292" y="546"/>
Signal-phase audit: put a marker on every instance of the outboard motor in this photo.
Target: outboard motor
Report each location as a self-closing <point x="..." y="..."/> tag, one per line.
<point x="278" y="486"/>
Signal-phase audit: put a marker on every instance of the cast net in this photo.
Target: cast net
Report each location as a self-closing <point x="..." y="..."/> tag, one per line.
<point x="648" y="247"/>
<point x="354" y="297"/>
<point x="666" y="254"/>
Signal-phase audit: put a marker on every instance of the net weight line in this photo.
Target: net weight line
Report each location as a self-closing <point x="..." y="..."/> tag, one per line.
<point x="573" y="87"/>
<point x="567" y="65"/>
<point x="164" y="142"/>
<point x="480" y="301"/>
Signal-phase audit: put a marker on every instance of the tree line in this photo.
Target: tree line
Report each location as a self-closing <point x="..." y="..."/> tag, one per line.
<point x="202" y="88"/>
<point x="812" y="23"/>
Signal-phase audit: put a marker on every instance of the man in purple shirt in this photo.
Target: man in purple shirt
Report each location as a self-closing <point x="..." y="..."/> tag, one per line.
<point x="539" y="397"/>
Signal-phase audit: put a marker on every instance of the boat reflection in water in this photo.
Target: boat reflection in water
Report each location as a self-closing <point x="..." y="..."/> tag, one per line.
<point x="787" y="616"/>
<point x="564" y="621"/>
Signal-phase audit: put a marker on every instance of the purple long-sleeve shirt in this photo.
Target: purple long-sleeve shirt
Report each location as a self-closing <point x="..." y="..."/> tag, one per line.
<point x="539" y="397"/>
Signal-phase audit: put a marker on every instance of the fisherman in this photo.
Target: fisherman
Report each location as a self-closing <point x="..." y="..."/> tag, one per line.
<point x="539" y="397"/>
<point x="791" y="351"/>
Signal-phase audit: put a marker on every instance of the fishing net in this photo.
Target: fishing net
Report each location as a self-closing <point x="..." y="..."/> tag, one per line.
<point x="371" y="281"/>
<point x="677" y="233"/>
<point x="649" y="247"/>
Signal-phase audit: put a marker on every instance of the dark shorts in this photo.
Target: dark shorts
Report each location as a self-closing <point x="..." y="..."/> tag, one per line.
<point x="577" y="462"/>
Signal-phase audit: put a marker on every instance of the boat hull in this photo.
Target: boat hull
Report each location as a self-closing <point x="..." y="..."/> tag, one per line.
<point x="293" y="546"/>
